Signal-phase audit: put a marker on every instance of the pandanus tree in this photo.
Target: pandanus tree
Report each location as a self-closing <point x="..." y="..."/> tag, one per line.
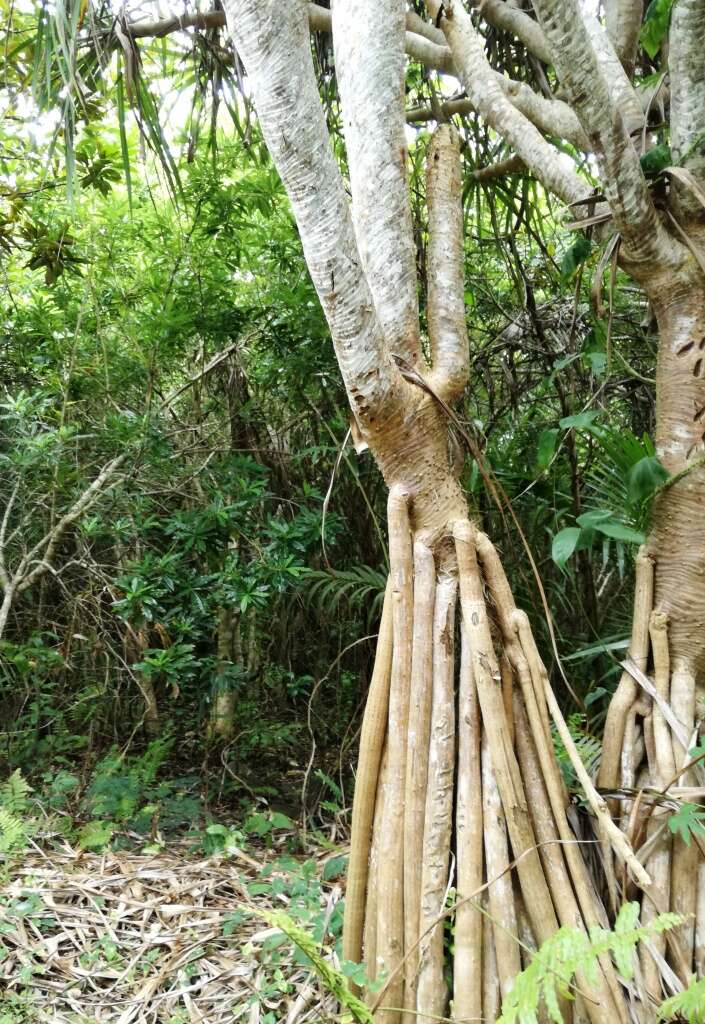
<point x="456" y="758"/>
<point x="457" y="780"/>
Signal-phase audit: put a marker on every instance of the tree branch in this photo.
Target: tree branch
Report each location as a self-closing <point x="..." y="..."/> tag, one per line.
<point x="273" y="41"/>
<point x="623" y="21"/>
<point x="621" y="91"/>
<point x="446" y="266"/>
<point x="488" y="98"/>
<point x="517" y="23"/>
<point x="551" y="116"/>
<point x="622" y="178"/>
<point x="45" y="549"/>
<point x="370" y="66"/>
<point x="421" y="41"/>
<point x="687" y="71"/>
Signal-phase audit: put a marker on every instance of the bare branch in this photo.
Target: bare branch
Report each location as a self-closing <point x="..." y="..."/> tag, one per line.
<point x="370" y="66"/>
<point x="421" y="41"/>
<point x="45" y="549"/>
<point x="687" y="70"/>
<point x="4" y="576"/>
<point x="512" y="165"/>
<point x="273" y="41"/>
<point x="415" y="23"/>
<point x="553" y="117"/>
<point x="623" y="20"/>
<point x="165" y="26"/>
<point x="446" y="278"/>
<point x="489" y="99"/>
<point x="517" y="23"/>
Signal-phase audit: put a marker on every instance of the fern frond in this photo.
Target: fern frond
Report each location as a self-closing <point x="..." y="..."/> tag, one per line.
<point x="687" y="1005"/>
<point x="549" y="975"/>
<point x="14" y="793"/>
<point x="12" y="831"/>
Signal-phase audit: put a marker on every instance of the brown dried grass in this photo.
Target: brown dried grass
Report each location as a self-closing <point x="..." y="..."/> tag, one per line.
<point x="128" y="938"/>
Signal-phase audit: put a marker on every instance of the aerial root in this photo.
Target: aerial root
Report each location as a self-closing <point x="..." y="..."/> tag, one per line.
<point x="483" y="748"/>
<point x="372" y="736"/>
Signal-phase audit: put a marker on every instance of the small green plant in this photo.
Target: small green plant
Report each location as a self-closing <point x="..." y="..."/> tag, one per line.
<point x="549" y="976"/>
<point x="686" y="1005"/>
<point x="333" y="981"/>
<point x="689" y="820"/>
<point x="14" y="800"/>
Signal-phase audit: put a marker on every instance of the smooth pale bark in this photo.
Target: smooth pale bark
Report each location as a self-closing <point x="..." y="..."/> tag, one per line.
<point x="621" y="91"/>
<point x="687" y="76"/>
<point x="491" y="998"/>
<point x="417" y="757"/>
<point x="390" y="870"/>
<point x="488" y="679"/>
<point x="448" y="334"/>
<point x="374" y="728"/>
<point x="678" y="533"/>
<point x="432" y="995"/>
<point x="517" y="23"/>
<point x="700" y="923"/>
<point x="273" y="42"/>
<point x="685" y="63"/>
<point x="684" y="869"/>
<point x="501" y="893"/>
<point x="622" y="179"/>
<point x="489" y="99"/>
<point x="623" y="22"/>
<point x="369" y="60"/>
<point x="468" y="962"/>
<point x="609" y="777"/>
<point x="551" y="116"/>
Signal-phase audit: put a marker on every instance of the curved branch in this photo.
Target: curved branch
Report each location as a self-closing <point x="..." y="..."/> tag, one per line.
<point x="517" y="23"/>
<point x="621" y="91"/>
<point x="446" y="265"/>
<point x="623" y="21"/>
<point x="687" y="71"/>
<point x="370" y="65"/>
<point x="553" y="117"/>
<point x="488" y="98"/>
<point x="622" y="178"/>
<point x="273" y="41"/>
<point x="421" y="41"/>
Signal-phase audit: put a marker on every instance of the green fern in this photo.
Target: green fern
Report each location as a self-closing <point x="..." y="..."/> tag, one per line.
<point x="588" y="746"/>
<point x="549" y="975"/>
<point x="687" y="1005"/>
<point x="12" y="832"/>
<point x="14" y="793"/>
<point x="14" y="800"/>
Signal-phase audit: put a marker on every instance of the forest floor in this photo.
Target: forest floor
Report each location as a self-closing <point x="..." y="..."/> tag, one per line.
<point x="125" y="937"/>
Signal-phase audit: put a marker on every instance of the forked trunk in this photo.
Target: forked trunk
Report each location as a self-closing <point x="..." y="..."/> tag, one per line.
<point x="408" y="846"/>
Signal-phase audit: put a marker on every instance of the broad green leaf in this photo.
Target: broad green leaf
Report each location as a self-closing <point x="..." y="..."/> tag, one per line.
<point x="656" y="160"/>
<point x="619" y="532"/>
<point x="644" y="477"/>
<point x="575" y="256"/>
<point x="564" y="544"/>
<point x="655" y="27"/>
<point x="591" y="520"/>
<point x="334" y="867"/>
<point x="546" y="448"/>
<point x="580" y="421"/>
<point x="689" y="820"/>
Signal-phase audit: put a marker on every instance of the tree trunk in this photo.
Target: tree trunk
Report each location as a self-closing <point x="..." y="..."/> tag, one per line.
<point x="647" y="739"/>
<point x="416" y="764"/>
